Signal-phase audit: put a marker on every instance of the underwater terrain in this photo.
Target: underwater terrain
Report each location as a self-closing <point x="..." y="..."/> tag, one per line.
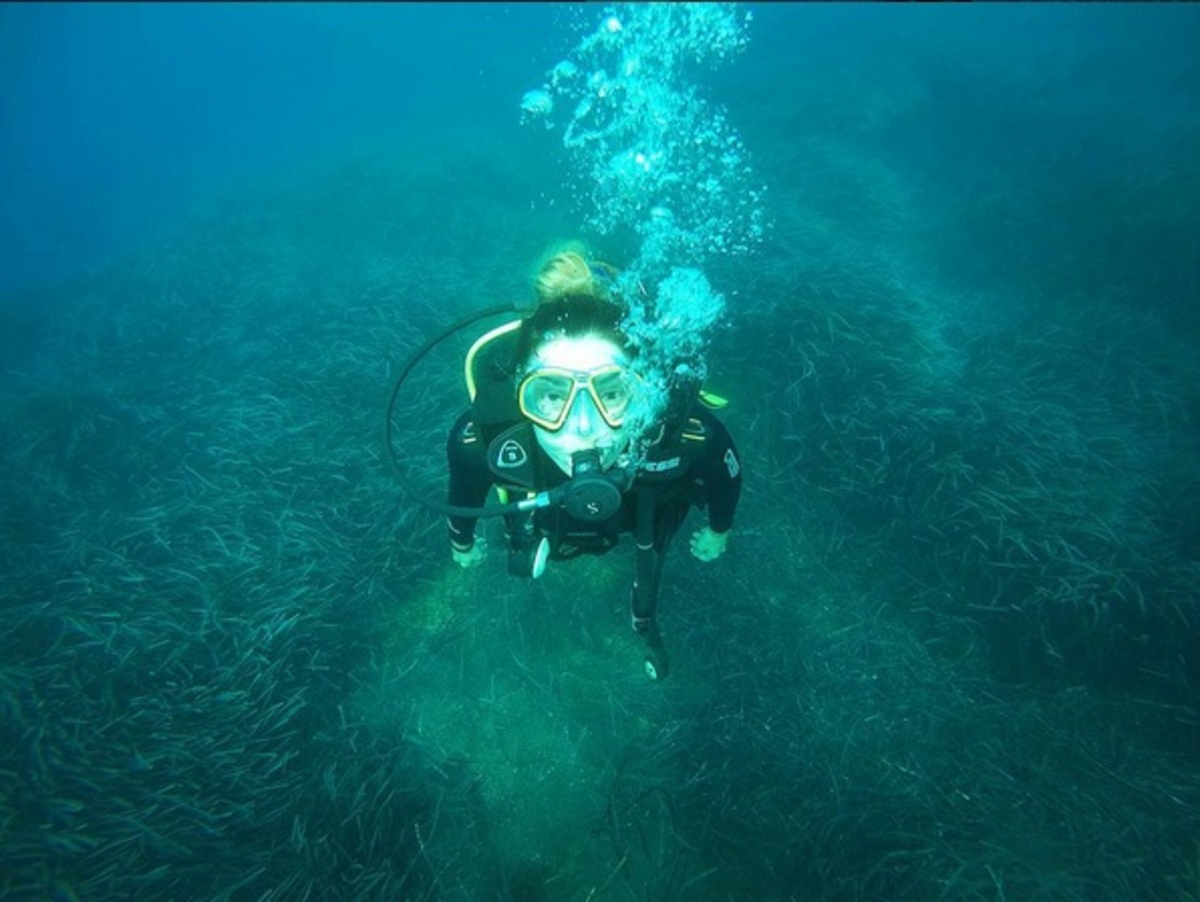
<point x="952" y="653"/>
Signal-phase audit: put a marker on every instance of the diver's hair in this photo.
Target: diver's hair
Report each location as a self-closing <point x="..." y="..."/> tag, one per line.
<point x="570" y="316"/>
<point x="568" y="271"/>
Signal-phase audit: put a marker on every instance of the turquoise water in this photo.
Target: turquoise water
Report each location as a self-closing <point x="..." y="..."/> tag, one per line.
<point x="941" y="260"/>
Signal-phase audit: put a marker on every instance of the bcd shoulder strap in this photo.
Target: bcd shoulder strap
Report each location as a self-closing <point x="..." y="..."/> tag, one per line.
<point x="489" y="377"/>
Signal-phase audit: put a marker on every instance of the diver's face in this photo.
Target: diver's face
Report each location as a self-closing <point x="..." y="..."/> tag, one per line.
<point x="566" y="379"/>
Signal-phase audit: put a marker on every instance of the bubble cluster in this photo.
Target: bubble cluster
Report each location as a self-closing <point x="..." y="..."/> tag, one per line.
<point x="641" y="136"/>
<point x="536" y="104"/>
<point x="670" y="330"/>
<point x="654" y="157"/>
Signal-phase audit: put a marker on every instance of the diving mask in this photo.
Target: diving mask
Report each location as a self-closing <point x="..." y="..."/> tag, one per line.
<point x="578" y="392"/>
<point x="546" y="395"/>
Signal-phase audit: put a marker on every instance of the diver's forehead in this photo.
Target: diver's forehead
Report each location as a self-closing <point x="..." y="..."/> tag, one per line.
<point x="585" y="352"/>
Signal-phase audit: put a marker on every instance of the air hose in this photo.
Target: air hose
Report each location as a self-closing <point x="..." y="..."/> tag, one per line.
<point x="415" y="358"/>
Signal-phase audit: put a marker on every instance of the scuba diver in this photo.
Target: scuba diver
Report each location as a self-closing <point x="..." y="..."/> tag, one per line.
<point x="550" y="424"/>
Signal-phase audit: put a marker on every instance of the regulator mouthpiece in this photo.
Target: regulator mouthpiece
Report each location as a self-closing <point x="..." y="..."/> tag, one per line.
<point x="592" y="495"/>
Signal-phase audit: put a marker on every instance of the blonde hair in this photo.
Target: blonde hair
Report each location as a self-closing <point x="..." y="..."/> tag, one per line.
<point x="565" y="272"/>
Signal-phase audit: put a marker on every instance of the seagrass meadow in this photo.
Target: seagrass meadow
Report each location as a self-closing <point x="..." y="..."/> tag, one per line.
<point x="953" y="652"/>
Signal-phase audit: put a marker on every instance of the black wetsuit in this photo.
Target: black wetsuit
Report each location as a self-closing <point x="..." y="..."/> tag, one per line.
<point x="698" y="467"/>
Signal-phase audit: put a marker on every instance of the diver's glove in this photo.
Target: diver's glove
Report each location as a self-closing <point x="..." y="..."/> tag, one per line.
<point x="471" y="557"/>
<point x="708" y="545"/>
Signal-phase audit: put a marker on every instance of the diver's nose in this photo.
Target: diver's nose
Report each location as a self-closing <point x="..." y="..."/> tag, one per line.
<point x="584" y="416"/>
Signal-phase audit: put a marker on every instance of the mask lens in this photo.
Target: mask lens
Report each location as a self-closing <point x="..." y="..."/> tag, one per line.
<point x="613" y="392"/>
<point x="545" y="398"/>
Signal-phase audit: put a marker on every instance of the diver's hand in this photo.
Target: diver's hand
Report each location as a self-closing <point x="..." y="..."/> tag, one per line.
<point x="472" y="557"/>
<point x="708" y="545"/>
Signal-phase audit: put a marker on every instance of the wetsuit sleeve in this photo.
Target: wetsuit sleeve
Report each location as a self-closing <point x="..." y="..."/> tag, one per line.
<point x="470" y="478"/>
<point x="721" y="471"/>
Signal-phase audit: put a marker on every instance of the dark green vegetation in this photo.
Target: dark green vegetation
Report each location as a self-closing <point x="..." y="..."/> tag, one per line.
<point x="952" y="653"/>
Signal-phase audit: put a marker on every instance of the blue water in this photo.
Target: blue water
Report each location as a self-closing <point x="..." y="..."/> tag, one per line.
<point x="116" y="119"/>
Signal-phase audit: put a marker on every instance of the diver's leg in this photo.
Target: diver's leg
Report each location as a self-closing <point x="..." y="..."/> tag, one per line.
<point x="644" y="597"/>
<point x="655" y="661"/>
<point x="644" y="602"/>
